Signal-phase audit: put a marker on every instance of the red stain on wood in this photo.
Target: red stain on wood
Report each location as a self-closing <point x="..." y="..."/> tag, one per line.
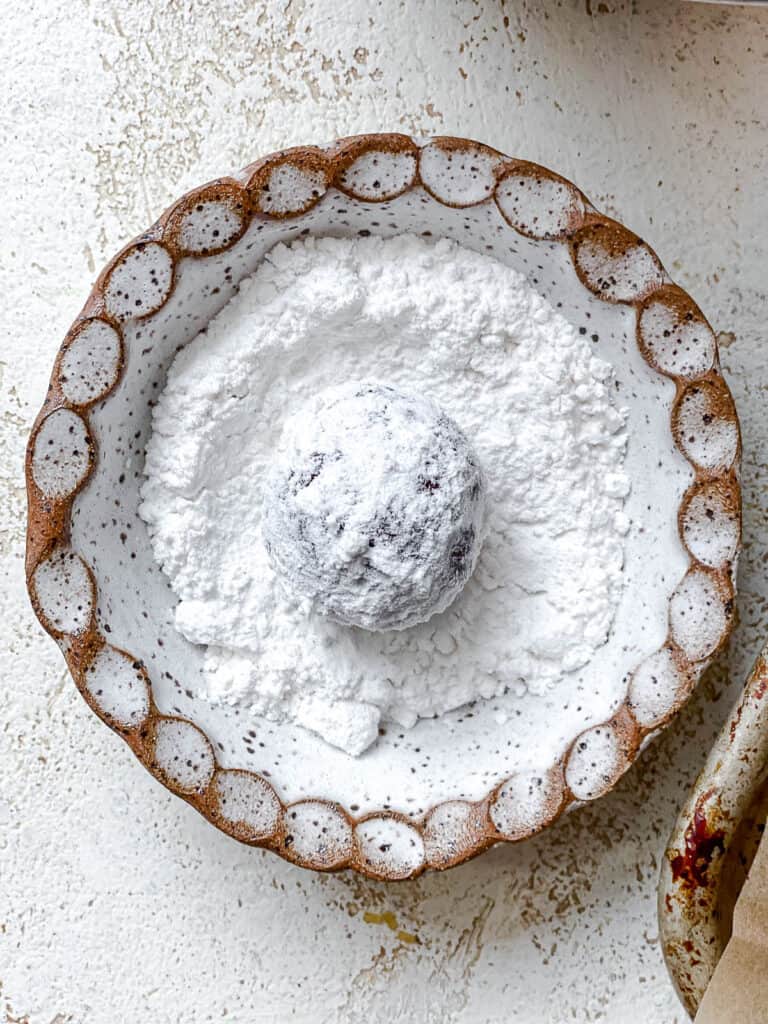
<point x="735" y="722"/>
<point x="759" y="678"/>
<point x="691" y="867"/>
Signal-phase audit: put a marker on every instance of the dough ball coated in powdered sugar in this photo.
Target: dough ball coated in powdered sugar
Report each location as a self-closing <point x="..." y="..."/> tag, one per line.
<point x="373" y="507"/>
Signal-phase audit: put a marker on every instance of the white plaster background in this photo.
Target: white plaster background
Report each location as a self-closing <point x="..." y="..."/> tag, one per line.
<point x="117" y="902"/>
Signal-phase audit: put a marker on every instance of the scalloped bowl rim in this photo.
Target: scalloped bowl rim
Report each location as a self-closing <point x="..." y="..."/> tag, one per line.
<point x="611" y="263"/>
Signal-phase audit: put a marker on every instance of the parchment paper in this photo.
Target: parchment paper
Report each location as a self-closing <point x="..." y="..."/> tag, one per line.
<point x="738" y="992"/>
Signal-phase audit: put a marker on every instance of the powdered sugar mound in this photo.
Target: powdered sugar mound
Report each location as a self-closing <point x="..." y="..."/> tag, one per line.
<point x="373" y="508"/>
<point x="523" y="386"/>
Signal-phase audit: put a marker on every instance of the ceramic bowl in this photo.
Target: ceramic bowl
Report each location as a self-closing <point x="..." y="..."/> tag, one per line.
<point x="449" y="788"/>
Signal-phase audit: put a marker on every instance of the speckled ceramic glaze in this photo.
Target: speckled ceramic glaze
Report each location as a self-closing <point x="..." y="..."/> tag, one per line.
<point x="447" y="789"/>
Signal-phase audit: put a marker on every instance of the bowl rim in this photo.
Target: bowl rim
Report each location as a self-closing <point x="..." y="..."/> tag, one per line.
<point x="613" y="264"/>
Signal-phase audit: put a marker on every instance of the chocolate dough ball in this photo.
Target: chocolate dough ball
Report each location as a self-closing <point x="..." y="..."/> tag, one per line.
<point x="373" y="507"/>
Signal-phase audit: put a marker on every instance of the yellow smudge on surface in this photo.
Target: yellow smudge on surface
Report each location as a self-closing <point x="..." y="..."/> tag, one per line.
<point x="388" y="918"/>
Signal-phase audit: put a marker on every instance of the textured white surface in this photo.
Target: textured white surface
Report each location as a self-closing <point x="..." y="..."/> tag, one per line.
<point x="117" y="902"/>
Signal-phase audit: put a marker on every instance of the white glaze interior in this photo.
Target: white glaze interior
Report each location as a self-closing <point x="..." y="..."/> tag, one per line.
<point x="461" y="755"/>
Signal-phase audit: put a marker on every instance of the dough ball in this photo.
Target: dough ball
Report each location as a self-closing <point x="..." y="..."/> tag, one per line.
<point x="373" y="507"/>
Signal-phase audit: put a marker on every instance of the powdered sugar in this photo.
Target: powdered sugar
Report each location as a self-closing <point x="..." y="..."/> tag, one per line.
<point x="520" y="382"/>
